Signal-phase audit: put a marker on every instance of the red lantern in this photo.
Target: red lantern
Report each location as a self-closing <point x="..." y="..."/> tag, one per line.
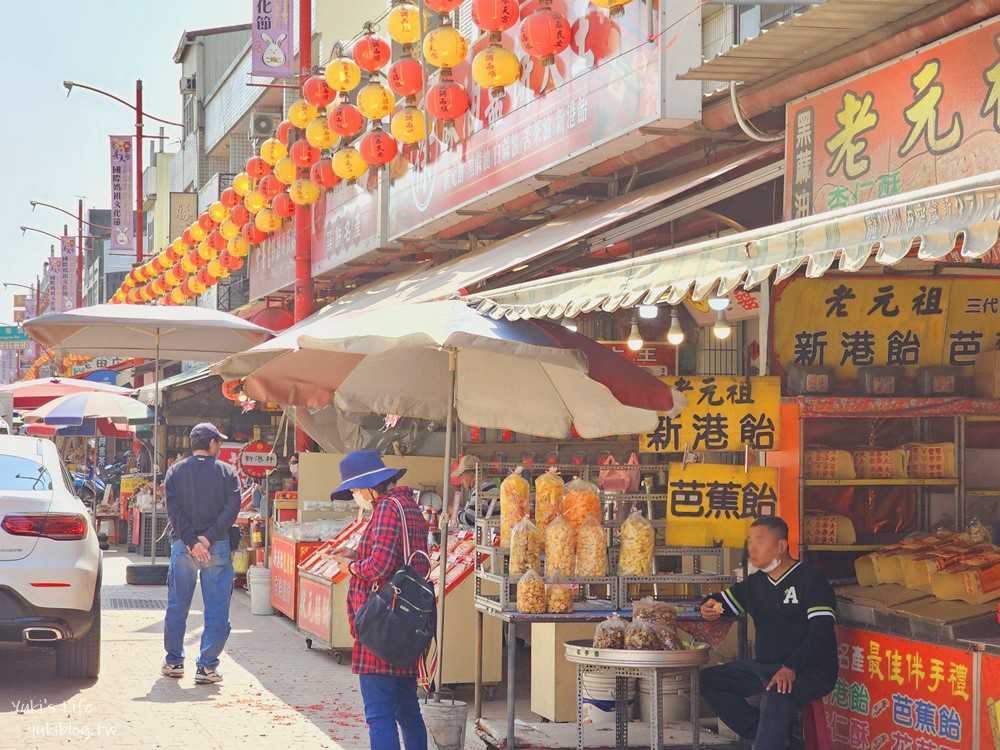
<point x="602" y="38"/>
<point x="230" y="198"/>
<point x="217" y="241"/>
<point x="447" y="101"/>
<point x="371" y="53"/>
<point x="544" y="34"/>
<point x="257" y="168"/>
<point x="252" y="234"/>
<point x="346" y="120"/>
<point x="443" y="6"/>
<point x="269" y="187"/>
<point x="239" y="215"/>
<point x="283" y="130"/>
<point x="282" y="204"/>
<point x="179" y="272"/>
<point x="406" y="77"/>
<point x="187" y="239"/>
<point x="323" y="175"/>
<point x="304" y="155"/>
<point x="377" y="147"/>
<point x="173" y="255"/>
<point x="317" y="91"/>
<point x="207" y="223"/>
<point x="495" y="16"/>
<point x="197" y="259"/>
<point x="205" y="277"/>
<point x="226" y="259"/>
<point x="157" y="265"/>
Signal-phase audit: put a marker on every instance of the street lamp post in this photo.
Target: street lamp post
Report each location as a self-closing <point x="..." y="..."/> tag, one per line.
<point x="140" y="114"/>
<point x="79" y="240"/>
<point x="34" y="295"/>
<point x="79" y="253"/>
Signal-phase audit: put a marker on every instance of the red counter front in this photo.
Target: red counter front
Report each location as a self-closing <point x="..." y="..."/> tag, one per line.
<point x="286" y="554"/>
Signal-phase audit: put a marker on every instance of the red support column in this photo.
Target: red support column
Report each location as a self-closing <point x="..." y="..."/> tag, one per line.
<point x="303" y="214"/>
<point x="138" y="173"/>
<point x="79" y="253"/>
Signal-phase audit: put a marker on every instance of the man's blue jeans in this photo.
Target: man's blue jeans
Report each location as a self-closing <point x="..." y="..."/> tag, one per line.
<point x="216" y="591"/>
<point x="388" y="701"/>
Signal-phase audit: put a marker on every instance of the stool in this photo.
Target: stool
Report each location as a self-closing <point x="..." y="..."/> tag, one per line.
<point x="113" y="533"/>
<point x="815" y="733"/>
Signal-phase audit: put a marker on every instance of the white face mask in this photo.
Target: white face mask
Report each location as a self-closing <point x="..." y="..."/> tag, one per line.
<point x="363" y="499"/>
<point x="773" y="565"/>
<point x="294" y="469"/>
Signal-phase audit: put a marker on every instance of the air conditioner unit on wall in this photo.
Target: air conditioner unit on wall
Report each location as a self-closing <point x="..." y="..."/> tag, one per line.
<point x="262" y="125"/>
<point x="188" y="85"/>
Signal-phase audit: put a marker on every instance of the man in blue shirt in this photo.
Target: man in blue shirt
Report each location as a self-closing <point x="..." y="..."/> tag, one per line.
<point x="203" y="500"/>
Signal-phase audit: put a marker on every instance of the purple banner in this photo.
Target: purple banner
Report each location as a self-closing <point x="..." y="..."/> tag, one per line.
<point x="121" y="193"/>
<point x="272" y="55"/>
<point x="67" y="299"/>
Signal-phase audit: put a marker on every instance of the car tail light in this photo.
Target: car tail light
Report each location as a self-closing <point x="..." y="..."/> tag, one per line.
<point x="59" y="526"/>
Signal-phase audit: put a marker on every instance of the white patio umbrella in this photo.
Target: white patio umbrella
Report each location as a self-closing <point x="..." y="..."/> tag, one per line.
<point x="157" y="332"/>
<point x="439" y="360"/>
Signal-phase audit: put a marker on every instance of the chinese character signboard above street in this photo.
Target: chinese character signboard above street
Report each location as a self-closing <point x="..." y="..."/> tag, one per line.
<point x="896" y="693"/>
<point x="926" y="119"/>
<point x="847" y="322"/>
<point x="712" y="503"/>
<point x="67" y="272"/>
<point x="610" y="82"/>
<point x="346" y="226"/>
<point x="13" y="337"/>
<point x="272" y="28"/>
<point x="183" y="212"/>
<point x="656" y="358"/>
<point x="121" y="192"/>
<point x="723" y="414"/>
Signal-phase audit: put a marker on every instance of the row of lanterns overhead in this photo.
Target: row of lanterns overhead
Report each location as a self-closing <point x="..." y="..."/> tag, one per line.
<point x="272" y="185"/>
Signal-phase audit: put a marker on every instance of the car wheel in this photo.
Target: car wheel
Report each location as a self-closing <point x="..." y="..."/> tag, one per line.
<point x="81" y="659"/>
<point x="146" y="575"/>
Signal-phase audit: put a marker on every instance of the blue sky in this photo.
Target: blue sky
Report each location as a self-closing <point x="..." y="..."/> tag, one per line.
<point x="55" y="149"/>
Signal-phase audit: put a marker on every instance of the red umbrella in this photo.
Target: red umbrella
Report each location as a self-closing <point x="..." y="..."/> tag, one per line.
<point x="104" y="427"/>
<point x="31" y="394"/>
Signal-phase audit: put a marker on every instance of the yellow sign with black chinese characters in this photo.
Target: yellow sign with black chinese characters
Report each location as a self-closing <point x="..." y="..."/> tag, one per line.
<point x="723" y="414"/>
<point x="709" y="503"/>
<point x="847" y="322"/>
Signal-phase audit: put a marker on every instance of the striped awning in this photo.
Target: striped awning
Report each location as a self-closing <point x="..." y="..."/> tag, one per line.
<point x="931" y="221"/>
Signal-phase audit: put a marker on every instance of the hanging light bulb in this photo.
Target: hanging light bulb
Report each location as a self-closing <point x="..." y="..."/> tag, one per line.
<point x="648" y="312"/>
<point x="722" y="329"/>
<point x="718" y="303"/>
<point x="569" y="324"/>
<point x="635" y="341"/>
<point x="675" y="335"/>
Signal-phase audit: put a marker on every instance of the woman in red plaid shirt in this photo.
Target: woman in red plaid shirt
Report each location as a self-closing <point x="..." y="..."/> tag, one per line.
<point x="389" y="691"/>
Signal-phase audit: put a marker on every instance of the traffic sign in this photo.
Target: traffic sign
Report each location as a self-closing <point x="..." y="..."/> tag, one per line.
<point x="17" y="344"/>
<point x="13" y="333"/>
<point x="258" y="459"/>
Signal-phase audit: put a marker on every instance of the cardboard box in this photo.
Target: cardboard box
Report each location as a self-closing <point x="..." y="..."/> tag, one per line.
<point x="987" y="375"/>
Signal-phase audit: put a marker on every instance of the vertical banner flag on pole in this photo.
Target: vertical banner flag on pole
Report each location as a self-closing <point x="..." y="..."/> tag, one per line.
<point x="272" y="39"/>
<point x="68" y="271"/>
<point x="121" y="193"/>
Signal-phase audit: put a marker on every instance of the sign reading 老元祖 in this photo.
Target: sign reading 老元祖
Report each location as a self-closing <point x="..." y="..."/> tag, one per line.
<point x="847" y="322"/>
<point x="723" y="414"/>
<point x="711" y="502"/>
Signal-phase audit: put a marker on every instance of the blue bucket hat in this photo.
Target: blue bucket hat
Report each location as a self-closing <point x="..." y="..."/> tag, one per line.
<point x="362" y="470"/>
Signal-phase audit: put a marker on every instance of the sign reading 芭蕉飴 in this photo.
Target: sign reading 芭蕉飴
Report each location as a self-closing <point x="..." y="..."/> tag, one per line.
<point x="723" y="414"/>
<point x="926" y="119"/>
<point x="711" y="502"/>
<point x="847" y="322"/>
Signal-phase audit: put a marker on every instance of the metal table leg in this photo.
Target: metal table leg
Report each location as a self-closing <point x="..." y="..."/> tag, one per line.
<point x="478" y="704"/>
<point x="621" y="712"/>
<point x="511" y="669"/>
<point x="656" y="710"/>
<point x="579" y="707"/>
<point x="695" y="710"/>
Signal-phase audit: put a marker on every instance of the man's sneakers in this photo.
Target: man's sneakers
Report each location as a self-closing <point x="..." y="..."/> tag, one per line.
<point x="172" y="670"/>
<point x="206" y="676"/>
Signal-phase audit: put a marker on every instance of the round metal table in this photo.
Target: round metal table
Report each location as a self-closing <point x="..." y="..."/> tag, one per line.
<point x="622" y="664"/>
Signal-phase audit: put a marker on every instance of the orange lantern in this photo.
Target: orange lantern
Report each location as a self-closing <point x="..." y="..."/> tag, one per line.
<point x="304" y="192"/>
<point x="443" y="6"/>
<point x="216" y="241"/>
<point x="229" y="198"/>
<point x="408" y="125"/>
<point x="495" y="16"/>
<point x="270" y="186"/>
<point x="375" y="101"/>
<point x="317" y="91"/>
<point x="198" y="232"/>
<point x="267" y="221"/>
<point x="257" y="168"/>
<point x="445" y="47"/>
<point x="216" y="269"/>
<point x="406" y="76"/>
<point x="175" y="250"/>
<point x="206" y="222"/>
<point x="282" y="205"/>
<point x="239" y="215"/>
<point x="377" y="147"/>
<point x="177" y="297"/>
<point x="348" y="164"/>
<point x="218" y="212"/>
<point x="285" y="170"/>
<point x="304" y="155"/>
<point x="495" y="68"/>
<point x="323" y="175"/>
<point x="281" y="133"/>
<point x="343" y="74"/>
<point x="239" y="246"/>
<point x="207" y="252"/>
<point x="252" y="234"/>
<point x="371" y="52"/>
<point x="614" y="7"/>
<point x="242" y="183"/>
<point x="255" y="201"/>
<point x="272" y="151"/>
<point x="188" y="264"/>
<point x="301" y="113"/>
<point x="447" y="101"/>
<point x="544" y="34"/>
<point x="403" y="23"/>
<point x="320" y="135"/>
<point x="346" y="120"/>
<point x="228" y="229"/>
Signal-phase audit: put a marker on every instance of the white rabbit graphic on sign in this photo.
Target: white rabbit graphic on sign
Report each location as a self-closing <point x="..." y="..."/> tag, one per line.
<point x="273" y="56"/>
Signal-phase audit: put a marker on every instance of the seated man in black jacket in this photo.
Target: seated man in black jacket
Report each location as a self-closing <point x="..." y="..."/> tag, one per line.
<point x="792" y="606"/>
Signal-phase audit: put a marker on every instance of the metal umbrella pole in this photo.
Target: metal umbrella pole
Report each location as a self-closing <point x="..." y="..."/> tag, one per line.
<point x="445" y="491"/>
<point x="156" y="443"/>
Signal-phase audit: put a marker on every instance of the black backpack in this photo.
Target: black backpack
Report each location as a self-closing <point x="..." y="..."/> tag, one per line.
<point x="398" y="623"/>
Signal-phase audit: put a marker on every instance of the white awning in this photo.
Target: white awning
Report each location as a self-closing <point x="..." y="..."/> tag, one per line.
<point x="933" y="220"/>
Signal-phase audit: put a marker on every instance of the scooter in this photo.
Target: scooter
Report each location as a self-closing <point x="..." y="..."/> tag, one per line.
<point x="88" y="490"/>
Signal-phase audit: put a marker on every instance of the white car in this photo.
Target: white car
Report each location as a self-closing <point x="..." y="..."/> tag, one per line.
<point x="50" y="563"/>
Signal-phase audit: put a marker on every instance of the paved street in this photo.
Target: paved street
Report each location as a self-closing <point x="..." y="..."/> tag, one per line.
<point x="274" y="687"/>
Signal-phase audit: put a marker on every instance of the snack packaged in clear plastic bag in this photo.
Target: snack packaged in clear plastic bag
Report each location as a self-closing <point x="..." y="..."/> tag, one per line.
<point x="640" y="636"/>
<point x="979" y="533"/>
<point x="611" y="633"/>
<point x="558" y="596"/>
<point x="580" y="499"/>
<point x="526" y="542"/>
<point x="514" y="504"/>
<point x="531" y="594"/>
<point x="591" y="549"/>
<point x="548" y="497"/>
<point x="560" y="548"/>
<point x="637" y="541"/>
<point x="663" y="618"/>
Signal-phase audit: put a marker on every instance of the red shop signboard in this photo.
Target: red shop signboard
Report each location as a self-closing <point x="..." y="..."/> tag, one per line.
<point x="313" y="612"/>
<point x="286" y="554"/>
<point x="896" y="694"/>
